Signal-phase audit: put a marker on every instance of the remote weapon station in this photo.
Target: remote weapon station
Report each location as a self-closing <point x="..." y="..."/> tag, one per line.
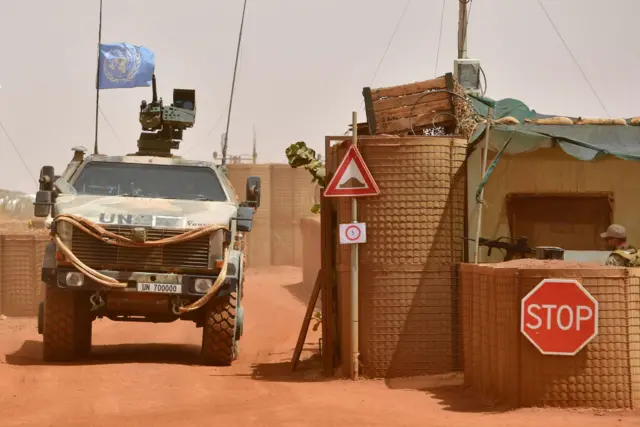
<point x="144" y="237"/>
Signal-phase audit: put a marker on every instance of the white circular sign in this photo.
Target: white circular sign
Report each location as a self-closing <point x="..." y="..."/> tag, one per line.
<point x="353" y="232"/>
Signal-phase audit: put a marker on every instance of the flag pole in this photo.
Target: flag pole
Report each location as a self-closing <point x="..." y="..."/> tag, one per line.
<point x="95" y="143"/>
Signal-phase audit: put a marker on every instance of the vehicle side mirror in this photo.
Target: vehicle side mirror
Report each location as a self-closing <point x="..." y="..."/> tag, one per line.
<point x="244" y="219"/>
<point x="47" y="178"/>
<point x="42" y="204"/>
<point x="252" y="196"/>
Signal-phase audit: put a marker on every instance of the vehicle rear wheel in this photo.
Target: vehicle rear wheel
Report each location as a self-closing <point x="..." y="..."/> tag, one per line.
<point x="219" y="345"/>
<point x="67" y="325"/>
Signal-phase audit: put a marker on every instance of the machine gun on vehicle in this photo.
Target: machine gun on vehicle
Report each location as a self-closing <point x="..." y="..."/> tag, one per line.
<point x="162" y="126"/>
<point x="512" y="247"/>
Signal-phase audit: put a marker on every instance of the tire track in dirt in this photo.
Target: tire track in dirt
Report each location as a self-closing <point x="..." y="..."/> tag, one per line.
<point x="148" y="375"/>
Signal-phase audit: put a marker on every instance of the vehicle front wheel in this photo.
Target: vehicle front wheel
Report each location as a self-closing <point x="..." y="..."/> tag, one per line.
<point x="67" y="325"/>
<point x="219" y="345"/>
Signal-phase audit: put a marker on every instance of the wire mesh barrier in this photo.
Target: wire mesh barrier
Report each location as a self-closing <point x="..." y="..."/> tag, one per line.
<point x="21" y="289"/>
<point x="287" y="197"/>
<point x="502" y="364"/>
<point x="408" y="303"/>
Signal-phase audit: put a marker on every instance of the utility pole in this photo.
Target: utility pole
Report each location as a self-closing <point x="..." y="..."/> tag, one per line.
<point x="462" y="28"/>
<point x="254" y="155"/>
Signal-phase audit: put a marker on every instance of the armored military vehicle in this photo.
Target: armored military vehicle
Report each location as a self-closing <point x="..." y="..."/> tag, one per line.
<point x="145" y="237"/>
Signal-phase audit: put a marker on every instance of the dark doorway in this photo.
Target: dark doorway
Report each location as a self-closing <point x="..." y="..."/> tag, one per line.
<point x="569" y="221"/>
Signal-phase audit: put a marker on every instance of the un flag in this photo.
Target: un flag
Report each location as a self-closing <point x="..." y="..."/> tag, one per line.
<point x="123" y="65"/>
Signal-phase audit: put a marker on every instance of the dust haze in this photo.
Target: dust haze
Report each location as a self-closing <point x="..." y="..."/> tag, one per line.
<point x="302" y="67"/>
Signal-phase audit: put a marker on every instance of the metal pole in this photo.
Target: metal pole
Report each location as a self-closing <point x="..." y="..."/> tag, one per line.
<point x="462" y="28"/>
<point x="355" y="350"/>
<point x="95" y="143"/>
<point x="255" y="146"/>
<point x="484" y="170"/>
<point x="233" y="86"/>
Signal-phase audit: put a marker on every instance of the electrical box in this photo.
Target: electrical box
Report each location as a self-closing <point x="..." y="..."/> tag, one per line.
<point x="467" y="73"/>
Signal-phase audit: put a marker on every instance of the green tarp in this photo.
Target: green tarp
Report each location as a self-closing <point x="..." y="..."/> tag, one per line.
<point x="583" y="142"/>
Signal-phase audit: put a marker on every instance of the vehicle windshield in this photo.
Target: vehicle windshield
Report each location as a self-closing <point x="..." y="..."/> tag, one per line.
<point x="145" y="180"/>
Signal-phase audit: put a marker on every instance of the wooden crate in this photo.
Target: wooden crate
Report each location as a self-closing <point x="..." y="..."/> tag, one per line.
<point x="409" y="109"/>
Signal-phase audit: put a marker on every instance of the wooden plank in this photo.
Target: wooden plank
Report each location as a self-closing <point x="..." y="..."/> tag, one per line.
<point x="417" y="121"/>
<point x="407" y="101"/>
<point x="307" y="320"/>
<point x="371" y="114"/>
<point x="327" y="264"/>
<point x="408" y="89"/>
<point x="418" y="110"/>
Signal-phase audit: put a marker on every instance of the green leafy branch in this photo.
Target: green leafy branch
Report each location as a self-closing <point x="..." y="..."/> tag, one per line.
<point x="317" y="317"/>
<point x="299" y="155"/>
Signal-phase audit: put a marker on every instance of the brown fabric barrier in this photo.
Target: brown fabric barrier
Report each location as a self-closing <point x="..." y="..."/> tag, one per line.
<point x="501" y="363"/>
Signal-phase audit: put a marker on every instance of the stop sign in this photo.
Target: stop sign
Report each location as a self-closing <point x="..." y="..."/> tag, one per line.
<point x="559" y="317"/>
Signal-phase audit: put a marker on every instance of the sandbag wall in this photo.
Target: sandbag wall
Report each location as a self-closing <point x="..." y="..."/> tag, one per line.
<point x="287" y="197"/>
<point x="21" y="256"/>
<point x="408" y="284"/>
<point x="501" y="364"/>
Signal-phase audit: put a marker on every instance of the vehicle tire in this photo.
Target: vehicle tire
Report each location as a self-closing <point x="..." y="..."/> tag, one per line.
<point x="219" y="345"/>
<point x="41" y="317"/>
<point x="67" y="325"/>
<point x="84" y="324"/>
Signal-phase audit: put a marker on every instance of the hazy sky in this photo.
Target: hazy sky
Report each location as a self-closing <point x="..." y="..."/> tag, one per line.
<point x="302" y="68"/>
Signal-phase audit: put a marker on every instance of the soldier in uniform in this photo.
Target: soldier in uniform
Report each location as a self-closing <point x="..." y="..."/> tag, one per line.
<point x="616" y="240"/>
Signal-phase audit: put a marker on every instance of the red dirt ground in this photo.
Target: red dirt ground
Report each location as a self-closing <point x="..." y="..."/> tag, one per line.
<point x="146" y="375"/>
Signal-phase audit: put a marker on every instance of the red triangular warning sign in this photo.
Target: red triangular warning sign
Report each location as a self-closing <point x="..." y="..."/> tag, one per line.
<point x="352" y="178"/>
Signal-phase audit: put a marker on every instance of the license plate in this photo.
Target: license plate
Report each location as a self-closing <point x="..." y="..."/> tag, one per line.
<point x="159" y="288"/>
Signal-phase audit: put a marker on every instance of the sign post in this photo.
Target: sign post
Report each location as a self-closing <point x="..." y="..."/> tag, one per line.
<point x="559" y="317"/>
<point x="353" y="179"/>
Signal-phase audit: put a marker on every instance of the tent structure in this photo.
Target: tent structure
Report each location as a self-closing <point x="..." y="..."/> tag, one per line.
<point x="583" y="142"/>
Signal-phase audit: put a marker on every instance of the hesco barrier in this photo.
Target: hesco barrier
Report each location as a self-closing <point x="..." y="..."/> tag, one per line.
<point x="408" y="267"/>
<point x="287" y="197"/>
<point x="502" y="364"/>
<point x="21" y="256"/>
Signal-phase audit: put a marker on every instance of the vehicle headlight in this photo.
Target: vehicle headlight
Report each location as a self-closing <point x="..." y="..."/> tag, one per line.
<point x="74" y="279"/>
<point x="202" y="285"/>
<point x="216" y="247"/>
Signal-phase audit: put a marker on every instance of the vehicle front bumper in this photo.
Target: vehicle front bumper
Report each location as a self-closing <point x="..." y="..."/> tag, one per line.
<point x="58" y="277"/>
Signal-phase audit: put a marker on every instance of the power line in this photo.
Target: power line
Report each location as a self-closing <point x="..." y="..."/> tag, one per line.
<point x="233" y="85"/>
<point x="18" y="153"/>
<point x="435" y="69"/>
<point x="217" y="123"/>
<point x="221" y="116"/>
<point x="393" y="35"/>
<point x="574" y="58"/>
<point x="112" y="129"/>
